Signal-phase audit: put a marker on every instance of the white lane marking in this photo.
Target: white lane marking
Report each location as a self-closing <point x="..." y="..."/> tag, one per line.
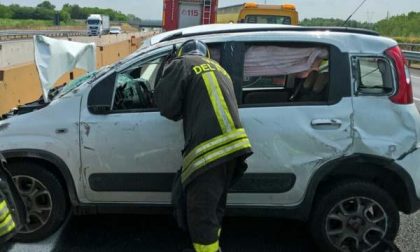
<point x="416" y="99"/>
<point x="415" y="77"/>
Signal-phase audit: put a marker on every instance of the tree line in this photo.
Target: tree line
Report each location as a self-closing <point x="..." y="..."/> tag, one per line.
<point x="405" y="25"/>
<point x="47" y="11"/>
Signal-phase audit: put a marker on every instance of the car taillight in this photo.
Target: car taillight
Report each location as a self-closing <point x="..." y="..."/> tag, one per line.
<point x="404" y="93"/>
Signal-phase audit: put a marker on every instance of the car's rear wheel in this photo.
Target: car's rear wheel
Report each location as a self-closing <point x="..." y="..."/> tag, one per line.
<point x="44" y="199"/>
<point x="354" y="216"/>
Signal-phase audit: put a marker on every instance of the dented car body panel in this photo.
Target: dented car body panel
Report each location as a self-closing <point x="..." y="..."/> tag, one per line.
<point x="129" y="157"/>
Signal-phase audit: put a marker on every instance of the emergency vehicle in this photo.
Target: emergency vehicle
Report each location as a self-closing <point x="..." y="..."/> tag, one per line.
<point x="184" y="13"/>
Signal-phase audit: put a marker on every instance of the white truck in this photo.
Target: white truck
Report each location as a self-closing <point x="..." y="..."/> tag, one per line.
<point x="97" y="24"/>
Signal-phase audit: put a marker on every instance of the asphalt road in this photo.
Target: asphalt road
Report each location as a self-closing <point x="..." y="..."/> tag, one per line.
<point x="409" y="235"/>
<point x="159" y="233"/>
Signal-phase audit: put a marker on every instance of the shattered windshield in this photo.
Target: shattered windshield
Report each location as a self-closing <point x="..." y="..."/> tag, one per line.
<point x="81" y="80"/>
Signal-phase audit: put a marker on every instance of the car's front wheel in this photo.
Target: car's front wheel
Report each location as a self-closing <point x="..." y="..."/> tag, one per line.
<point x="354" y="216"/>
<point x="44" y="199"/>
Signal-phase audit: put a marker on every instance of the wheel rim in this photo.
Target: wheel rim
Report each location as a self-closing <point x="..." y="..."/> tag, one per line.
<point x="356" y="224"/>
<point x="37" y="200"/>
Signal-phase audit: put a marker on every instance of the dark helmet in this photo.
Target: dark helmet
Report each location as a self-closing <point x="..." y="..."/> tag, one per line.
<point x="193" y="47"/>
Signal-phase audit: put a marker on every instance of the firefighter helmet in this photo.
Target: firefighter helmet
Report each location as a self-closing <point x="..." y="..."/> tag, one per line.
<point x="193" y="47"/>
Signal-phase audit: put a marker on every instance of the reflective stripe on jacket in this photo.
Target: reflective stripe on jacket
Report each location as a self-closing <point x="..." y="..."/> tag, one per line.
<point x="199" y="91"/>
<point x="7" y="223"/>
<point x="12" y="208"/>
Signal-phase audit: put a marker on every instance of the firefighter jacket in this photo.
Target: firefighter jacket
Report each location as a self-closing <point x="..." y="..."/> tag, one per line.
<point x="200" y="92"/>
<point x="12" y="209"/>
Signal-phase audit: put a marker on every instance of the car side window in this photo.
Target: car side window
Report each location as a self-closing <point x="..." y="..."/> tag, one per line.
<point x="215" y="52"/>
<point x="277" y="74"/>
<point x="373" y="75"/>
<point x="134" y="86"/>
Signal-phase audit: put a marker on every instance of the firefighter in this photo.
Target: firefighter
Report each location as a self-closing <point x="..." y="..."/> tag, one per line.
<point x="199" y="91"/>
<point x="12" y="209"/>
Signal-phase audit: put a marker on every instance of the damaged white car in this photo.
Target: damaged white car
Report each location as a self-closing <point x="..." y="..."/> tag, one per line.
<point x="329" y="113"/>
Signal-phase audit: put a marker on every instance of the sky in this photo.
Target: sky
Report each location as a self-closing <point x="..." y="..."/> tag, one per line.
<point x="371" y="11"/>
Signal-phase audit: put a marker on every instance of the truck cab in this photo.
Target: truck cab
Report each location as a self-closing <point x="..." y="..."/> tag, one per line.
<point x="97" y="25"/>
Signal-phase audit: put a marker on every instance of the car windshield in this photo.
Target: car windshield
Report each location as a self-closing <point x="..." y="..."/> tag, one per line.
<point x="81" y="80"/>
<point x="266" y="19"/>
<point x="93" y="22"/>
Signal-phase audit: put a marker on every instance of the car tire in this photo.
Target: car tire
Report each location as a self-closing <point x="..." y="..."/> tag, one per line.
<point x="44" y="198"/>
<point x="354" y="211"/>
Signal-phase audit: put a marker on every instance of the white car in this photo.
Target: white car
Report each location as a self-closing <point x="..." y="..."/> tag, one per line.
<point x="329" y="112"/>
<point x="115" y="30"/>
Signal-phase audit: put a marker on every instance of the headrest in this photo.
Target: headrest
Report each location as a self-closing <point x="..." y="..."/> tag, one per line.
<point x="321" y="82"/>
<point x="310" y="80"/>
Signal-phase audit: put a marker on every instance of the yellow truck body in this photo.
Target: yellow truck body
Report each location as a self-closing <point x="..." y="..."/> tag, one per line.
<point x="258" y="13"/>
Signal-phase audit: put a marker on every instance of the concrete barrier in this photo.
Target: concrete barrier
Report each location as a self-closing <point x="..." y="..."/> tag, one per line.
<point x="19" y="52"/>
<point x="19" y="84"/>
<point x="13" y="53"/>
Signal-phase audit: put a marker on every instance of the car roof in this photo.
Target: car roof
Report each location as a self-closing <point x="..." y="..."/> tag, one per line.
<point x="211" y="28"/>
<point x="231" y="28"/>
<point x="348" y="40"/>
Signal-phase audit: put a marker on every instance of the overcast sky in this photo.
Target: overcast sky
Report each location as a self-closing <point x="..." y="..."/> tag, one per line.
<point x="372" y="11"/>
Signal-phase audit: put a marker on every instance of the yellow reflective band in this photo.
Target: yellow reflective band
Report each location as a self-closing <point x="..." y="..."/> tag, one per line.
<point x="219" y="232"/>
<point x="214" y="155"/>
<point x="211" y="144"/>
<point x="214" y="247"/>
<point x="218" y="102"/>
<point x="4" y="210"/>
<point x="224" y="105"/>
<point x="7" y="225"/>
<point x="213" y="95"/>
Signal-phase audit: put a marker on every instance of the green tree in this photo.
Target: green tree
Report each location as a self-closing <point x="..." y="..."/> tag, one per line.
<point x="65" y="16"/>
<point x="5" y="12"/>
<point x="46" y="5"/>
<point x="76" y="12"/>
<point x="43" y="13"/>
<point x="22" y="12"/>
<point x="406" y="25"/>
<point x="335" y="22"/>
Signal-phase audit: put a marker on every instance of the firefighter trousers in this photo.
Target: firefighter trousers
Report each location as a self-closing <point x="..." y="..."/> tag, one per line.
<point x="205" y="205"/>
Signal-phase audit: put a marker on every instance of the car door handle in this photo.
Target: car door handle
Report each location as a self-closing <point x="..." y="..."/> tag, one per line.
<point x="316" y="123"/>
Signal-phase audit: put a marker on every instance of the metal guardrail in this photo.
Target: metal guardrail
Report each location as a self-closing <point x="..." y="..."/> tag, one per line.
<point x="411" y="52"/>
<point x="410" y="55"/>
<point x="6" y="35"/>
<point x="410" y="46"/>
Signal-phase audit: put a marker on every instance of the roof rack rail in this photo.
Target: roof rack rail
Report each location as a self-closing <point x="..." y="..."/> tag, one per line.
<point x="180" y="34"/>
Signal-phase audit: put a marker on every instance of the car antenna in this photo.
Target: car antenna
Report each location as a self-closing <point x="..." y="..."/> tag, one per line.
<point x="358" y="7"/>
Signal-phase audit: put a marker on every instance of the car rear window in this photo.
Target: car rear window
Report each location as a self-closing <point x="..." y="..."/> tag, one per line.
<point x="373" y="75"/>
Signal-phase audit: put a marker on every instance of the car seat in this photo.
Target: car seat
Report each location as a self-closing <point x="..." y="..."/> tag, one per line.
<point x="304" y="87"/>
<point x="316" y="90"/>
